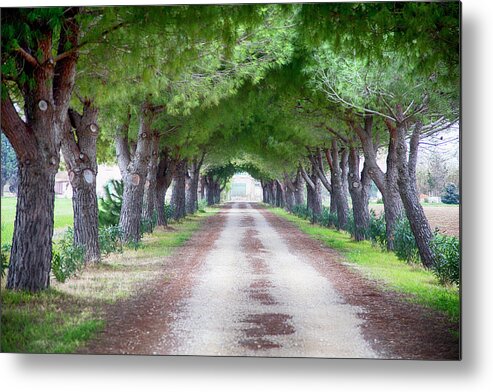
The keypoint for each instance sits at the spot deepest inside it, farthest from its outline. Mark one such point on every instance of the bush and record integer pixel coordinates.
(451, 194)
(148, 225)
(111, 204)
(446, 250)
(377, 230)
(110, 240)
(405, 246)
(202, 205)
(302, 211)
(169, 211)
(67, 258)
(327, 219)
(4, 258)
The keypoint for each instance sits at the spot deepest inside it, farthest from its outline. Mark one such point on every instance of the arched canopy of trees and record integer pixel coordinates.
(304, 97)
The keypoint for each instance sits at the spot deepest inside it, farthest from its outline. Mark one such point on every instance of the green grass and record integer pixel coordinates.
(63, 216)
(47, 322)
(417, 284)
(64, 317)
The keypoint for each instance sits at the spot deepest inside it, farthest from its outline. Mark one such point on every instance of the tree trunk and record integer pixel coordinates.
(290, 189)
(31, 253)
(338, 196)
(202, 188)
(134, 173)
(79, 152)
(299, 196)
(359, 190)
(385, 182)
(178, 197)
(408, 189)
(192, 199)
(313, 193)
(150, 189)
(165, 171)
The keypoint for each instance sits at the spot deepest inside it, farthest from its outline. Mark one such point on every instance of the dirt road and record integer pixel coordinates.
(251, 284)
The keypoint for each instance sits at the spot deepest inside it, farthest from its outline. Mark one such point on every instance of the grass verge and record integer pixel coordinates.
(62, 318)
(64, 216)
(418, 284)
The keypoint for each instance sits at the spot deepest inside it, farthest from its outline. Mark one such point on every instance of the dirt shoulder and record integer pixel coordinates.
(138, 325)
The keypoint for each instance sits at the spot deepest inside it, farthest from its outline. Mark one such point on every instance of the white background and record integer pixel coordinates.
(473, 373)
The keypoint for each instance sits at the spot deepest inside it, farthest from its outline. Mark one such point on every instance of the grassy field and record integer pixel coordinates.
(61, 319)
(418, 284)
(63, 216)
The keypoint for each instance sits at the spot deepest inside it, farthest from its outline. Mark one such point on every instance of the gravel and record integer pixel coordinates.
(252, 296)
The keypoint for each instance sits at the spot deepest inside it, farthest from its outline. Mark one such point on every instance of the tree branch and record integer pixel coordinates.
(19, 134)
(28, 57)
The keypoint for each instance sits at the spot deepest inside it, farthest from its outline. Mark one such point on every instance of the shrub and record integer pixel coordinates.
(451, 194)
(111, 204)
(302, 211)
(446, 250)
(202, 205)
(110, 240)
(169, 210)
(67, 258)
(327, 219)
(405, 246)
(148, 225)
(4, 258)
(377, 230)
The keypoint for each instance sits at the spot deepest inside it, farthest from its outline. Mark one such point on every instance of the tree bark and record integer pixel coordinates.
(338, 196)
(150, 189)
(134, 173)
(165, 172)
(408, 188)
(290, 188)
(385, 182)
(209, 189)
(280, 194)
(359, 190)
(79, 152)
(178, 197)
(313, 192)
(299, 196)
(30, 257)
(194, 172)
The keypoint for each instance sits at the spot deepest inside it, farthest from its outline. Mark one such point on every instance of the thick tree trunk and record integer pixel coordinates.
(150, 189)
(280, 194)
(165, 171)
(359, 190)
(79, 152)
(178, 197)
(202, 188)
(193, 188)
(408, 189)
(313, 192)
(264, 191)
(299, 195)
(290, 200)
(134, 173)
(30, 257)
(338, 196)
(385, 182)
(290, 189)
